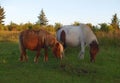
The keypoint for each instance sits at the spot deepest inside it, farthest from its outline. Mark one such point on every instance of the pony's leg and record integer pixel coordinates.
(81, 54)
(46, 55)
(37, 56)
(22, 55)
(25, 57)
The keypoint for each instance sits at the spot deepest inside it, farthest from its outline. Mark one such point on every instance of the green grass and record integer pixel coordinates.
(106, 69)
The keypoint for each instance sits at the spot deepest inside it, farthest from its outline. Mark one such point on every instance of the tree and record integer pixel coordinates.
(57, 26)
(115, 22)
(42, 18)
(50, 28)
(104, 27)
(94, 28)
(12, 27)
(2, 15)
(90, 25)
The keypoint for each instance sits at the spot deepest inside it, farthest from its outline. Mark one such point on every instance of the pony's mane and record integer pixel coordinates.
(41, 30)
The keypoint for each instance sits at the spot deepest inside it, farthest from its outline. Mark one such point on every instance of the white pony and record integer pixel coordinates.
(81, 35)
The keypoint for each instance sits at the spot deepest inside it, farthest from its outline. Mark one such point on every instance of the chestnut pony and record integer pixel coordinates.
(76, 36)
(35, 40)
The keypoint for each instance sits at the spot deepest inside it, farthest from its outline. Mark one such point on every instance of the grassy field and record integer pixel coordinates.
(106, 69)
(69, 70)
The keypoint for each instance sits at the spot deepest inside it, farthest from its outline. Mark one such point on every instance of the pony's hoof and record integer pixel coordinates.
(81, 57)
(45, 59)
(35, 60)
(21, 60)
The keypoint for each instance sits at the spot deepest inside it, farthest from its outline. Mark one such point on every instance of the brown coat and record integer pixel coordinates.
(36, 40)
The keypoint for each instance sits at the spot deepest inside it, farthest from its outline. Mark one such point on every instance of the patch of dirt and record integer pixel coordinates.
(68, 68)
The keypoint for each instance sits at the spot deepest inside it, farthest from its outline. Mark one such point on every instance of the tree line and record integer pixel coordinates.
(43, 23)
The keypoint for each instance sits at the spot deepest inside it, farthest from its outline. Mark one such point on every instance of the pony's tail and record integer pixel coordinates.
(63, 38)
(20, 42)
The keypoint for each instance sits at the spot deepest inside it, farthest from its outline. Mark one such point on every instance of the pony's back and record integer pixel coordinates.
(88, 34)
(81, 32)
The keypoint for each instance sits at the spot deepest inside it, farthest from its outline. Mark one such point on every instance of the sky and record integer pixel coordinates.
(65, 12)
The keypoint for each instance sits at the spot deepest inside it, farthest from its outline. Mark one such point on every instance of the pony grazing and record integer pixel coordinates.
(35, 40)
(81, 35)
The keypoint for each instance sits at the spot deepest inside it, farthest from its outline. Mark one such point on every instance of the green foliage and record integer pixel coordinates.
(111, 28)
(115, 22)
(57, 26)
(1, 27)
(27, 26)
(76, 23)
(12, 26)
(94, 28)
(2, 15)
(36, 26)
(42, 23)
(104, 27)
(90, 25)
(15, 27)
(50, 28)
(42, 18)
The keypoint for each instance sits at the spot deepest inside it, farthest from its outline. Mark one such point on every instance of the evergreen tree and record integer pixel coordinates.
(115, 22)
(42, 18)
(2, 15)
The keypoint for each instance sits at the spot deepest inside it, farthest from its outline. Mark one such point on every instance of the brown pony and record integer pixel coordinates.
(35, 40)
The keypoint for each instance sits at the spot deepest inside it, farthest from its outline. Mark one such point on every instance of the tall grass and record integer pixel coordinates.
(104, 38)
(9, 35)
(109, 38)
(12, 35)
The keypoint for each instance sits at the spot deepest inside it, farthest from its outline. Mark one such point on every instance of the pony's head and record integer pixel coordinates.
(94, 48)
(58, 50)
